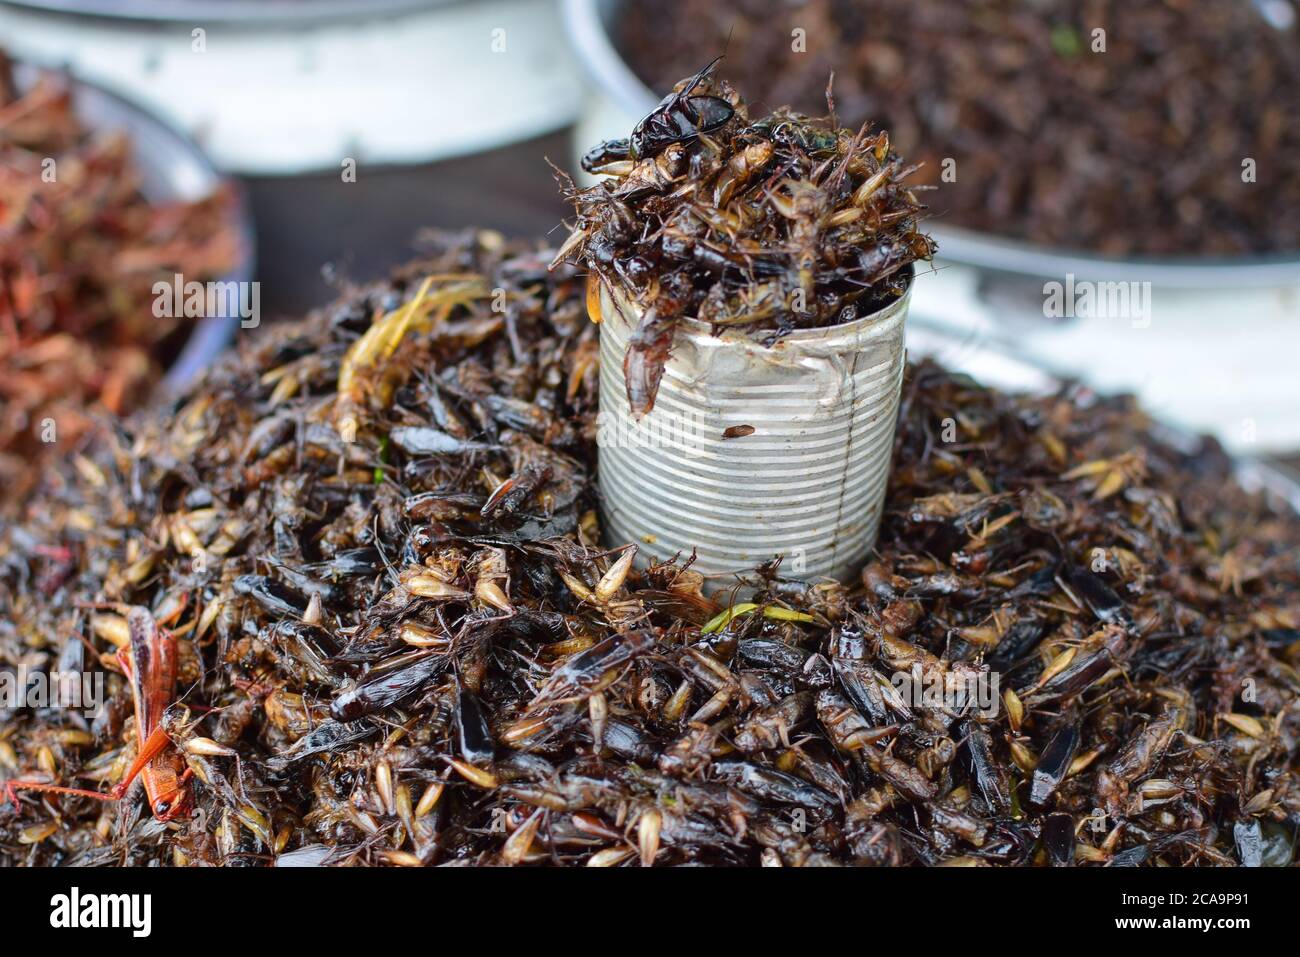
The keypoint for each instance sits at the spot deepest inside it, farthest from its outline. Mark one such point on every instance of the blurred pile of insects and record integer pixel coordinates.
(371, 540)
(1127, 127)
(766, 225)
(80, 251)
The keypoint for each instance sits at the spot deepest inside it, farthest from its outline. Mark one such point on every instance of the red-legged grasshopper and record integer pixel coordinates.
(149, 663)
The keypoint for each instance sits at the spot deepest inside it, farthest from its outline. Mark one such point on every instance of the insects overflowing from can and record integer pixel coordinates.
(766, 225)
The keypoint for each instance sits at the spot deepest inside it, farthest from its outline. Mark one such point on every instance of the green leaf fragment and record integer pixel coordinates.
(786, 614)
(744, 608)
(721, 621)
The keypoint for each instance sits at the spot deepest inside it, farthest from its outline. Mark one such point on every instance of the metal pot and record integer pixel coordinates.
(1211, 349)
(997, 369)
(284, 87)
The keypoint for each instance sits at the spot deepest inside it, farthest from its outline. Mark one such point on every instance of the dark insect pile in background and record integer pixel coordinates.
(1137, 150)
(373, 537)
(764, 225)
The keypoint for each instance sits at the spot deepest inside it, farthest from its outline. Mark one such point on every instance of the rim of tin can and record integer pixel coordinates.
(586, 22)
(803, 334)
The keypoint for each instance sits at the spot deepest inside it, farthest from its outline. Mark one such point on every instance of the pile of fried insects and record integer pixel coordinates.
(765, 225)
(368, 545)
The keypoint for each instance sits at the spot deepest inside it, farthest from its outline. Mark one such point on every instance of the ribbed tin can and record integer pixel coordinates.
(807, 483)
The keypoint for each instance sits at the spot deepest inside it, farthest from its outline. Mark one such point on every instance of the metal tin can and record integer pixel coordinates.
(807, 483)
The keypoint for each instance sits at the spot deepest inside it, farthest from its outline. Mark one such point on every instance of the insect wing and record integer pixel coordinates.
(151, 670)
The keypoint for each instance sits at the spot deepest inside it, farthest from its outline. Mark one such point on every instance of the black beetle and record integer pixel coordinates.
(678, 117)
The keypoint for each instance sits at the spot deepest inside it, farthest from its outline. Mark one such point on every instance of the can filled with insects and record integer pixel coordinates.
(753, 451)
(751, 277)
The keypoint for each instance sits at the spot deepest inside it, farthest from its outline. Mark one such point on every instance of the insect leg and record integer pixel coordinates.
(150, 749)
(12, 788)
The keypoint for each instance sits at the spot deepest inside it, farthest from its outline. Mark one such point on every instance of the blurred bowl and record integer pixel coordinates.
(287, 87)
(172, 168)
(996, 368)
(621, 98)
(205, 11)
(1212, 349)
